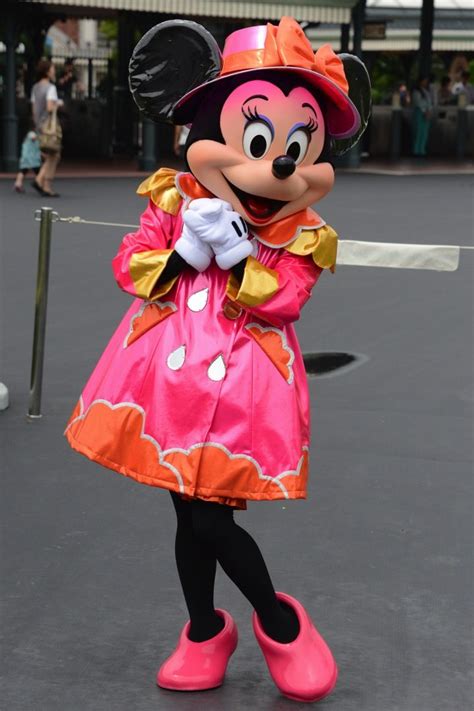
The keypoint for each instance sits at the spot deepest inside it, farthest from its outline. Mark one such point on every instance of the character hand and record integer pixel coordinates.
(219, 227)
(195, 252)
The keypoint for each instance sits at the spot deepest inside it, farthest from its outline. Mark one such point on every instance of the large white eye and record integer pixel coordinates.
(257, 139)
(297, 145)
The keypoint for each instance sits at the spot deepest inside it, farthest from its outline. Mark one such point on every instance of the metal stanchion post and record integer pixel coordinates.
(45, 216)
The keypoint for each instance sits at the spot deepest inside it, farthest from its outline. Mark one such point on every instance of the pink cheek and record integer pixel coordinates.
(203, 157)
(322, 178)
(195, 156)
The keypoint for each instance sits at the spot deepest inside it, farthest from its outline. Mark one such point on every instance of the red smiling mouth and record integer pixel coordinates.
(259, 208)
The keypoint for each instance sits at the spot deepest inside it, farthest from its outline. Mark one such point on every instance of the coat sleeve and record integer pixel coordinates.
(275, 295)
(143, 255)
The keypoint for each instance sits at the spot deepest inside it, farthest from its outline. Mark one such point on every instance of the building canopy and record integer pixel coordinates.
(416, 4)
(334, 11)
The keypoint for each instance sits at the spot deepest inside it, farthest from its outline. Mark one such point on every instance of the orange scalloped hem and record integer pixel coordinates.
(219, 496)
(114, 436)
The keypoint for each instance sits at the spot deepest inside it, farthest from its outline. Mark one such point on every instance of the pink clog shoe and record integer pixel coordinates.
(303, 670)
(196, 666)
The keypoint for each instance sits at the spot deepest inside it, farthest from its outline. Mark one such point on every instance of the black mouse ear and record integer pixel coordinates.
(360, 95)
(171, 59)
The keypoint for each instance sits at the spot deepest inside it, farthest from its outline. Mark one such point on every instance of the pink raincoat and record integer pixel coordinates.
(202, 390)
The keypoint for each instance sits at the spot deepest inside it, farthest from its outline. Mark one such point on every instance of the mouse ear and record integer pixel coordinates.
(171, 59)
(360, 95)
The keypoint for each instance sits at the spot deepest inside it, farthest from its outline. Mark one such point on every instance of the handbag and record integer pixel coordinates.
(51, 134)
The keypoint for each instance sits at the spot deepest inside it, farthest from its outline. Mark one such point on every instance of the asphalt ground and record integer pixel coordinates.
(380, 553)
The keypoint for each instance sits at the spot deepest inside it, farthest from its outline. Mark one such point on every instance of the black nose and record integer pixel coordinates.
(283, 167)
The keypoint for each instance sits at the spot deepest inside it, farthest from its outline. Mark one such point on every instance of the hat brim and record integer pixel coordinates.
(342, 117)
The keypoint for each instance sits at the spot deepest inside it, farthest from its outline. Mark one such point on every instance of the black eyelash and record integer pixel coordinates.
(311, 126)
(255, 116)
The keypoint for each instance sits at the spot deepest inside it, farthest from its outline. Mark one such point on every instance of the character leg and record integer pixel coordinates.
(209, 639)
(241, 559)
(299, 660)
(196, 563)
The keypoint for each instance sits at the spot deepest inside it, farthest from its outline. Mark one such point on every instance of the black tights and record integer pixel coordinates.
(207, 533)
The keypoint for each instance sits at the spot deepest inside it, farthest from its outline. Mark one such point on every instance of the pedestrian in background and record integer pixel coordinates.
(45, 102)
(464, 87)
(67, 84)
(404, 95)
(30, 158)
(422, 116)
(445, 95)
(67, 79)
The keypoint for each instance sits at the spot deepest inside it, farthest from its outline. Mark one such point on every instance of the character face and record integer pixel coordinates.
(265, 168)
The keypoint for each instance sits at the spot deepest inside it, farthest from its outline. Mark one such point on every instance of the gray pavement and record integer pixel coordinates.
(380, 552)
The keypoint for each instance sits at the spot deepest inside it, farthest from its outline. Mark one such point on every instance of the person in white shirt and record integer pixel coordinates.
(44, 99)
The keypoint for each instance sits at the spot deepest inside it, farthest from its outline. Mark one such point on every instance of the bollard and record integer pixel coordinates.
(4, 401)
(396, 130)
(147, 161)
(462, 131)
(45, 216)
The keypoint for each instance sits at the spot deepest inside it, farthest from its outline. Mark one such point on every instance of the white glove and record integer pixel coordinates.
(195, 252)
(220, 228)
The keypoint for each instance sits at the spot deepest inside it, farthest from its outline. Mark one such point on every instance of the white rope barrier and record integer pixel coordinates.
(79, 220)
(441, 258)
(352, 252)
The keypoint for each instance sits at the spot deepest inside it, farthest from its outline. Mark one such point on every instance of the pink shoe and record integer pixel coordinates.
(195, 666)
(303, 670)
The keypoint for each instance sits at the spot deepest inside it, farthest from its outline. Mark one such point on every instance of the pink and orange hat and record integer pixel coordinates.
(283, 48)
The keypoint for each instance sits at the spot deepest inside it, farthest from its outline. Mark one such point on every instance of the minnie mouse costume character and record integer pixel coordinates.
(202, 389)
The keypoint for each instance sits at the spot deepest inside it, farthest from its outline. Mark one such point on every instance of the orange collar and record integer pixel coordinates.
(277, 234)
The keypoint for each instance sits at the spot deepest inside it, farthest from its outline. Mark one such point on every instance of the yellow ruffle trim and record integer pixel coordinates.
(258, 285)
(145, 269)
(161, 189)
(321, 243)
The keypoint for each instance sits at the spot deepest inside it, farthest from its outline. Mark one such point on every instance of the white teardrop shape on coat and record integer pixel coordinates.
(176, 359)
(217, 369)
(198, 300)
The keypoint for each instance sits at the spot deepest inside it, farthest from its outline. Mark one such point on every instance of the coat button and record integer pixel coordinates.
(232, 310)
